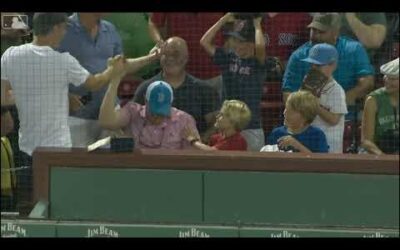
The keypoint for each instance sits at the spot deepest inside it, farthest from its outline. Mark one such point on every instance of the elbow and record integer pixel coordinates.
(107, 123)
(373, 43)
(203, 42)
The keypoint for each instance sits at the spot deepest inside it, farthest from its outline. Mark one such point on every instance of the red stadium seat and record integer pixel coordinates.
(271, 106)
(126, 90)
(351, 137)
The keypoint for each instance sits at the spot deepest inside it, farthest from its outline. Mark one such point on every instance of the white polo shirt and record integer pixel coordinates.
(333, 98)
(39, 77)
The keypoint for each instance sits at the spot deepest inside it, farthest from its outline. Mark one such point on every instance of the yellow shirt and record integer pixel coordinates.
(8, 179)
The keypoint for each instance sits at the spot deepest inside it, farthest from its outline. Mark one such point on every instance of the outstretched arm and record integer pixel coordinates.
(207, 41)
(259, 41)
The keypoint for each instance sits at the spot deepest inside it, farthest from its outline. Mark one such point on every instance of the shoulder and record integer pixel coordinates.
(180, 114)
(336, 88)
(349, 45)
(106, 25)
(313, 130)
(9, 52)
(301, 52)
(279, 130)
(199, 84)
(379, 91)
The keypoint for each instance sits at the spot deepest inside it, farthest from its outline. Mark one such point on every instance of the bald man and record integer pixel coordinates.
(191, 95)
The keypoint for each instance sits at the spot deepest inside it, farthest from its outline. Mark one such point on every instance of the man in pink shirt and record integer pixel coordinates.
(155, 125)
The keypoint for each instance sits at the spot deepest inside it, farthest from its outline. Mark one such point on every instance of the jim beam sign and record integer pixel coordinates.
(11, 230)
(101, 231)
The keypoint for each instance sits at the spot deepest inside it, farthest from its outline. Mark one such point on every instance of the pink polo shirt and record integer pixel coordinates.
(167, 135)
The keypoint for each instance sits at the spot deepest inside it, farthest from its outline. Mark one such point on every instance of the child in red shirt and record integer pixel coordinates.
(233, 117)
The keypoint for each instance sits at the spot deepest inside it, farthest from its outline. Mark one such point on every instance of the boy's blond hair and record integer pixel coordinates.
(237, 112)
(305, 103)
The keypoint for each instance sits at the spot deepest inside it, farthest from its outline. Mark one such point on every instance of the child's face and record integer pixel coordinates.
(293, 119)
(327, 70)
(222, 123)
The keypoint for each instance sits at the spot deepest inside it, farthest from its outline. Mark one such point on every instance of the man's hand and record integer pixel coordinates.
(288, 140)
(118, 66)
(228, 18)
(75, 103)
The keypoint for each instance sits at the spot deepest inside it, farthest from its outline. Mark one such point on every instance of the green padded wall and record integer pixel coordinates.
(125, 195)
(302, 198)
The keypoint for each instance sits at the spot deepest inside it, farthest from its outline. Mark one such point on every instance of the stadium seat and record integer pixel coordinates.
(351, 137)
(271, 106)
(126, 90)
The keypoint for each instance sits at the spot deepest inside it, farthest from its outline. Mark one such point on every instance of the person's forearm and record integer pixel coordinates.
(363, 87)
(108, 115)
(202, 146)
(259, 43)
(371, 147)
(208, 37)
(329, 117)
(371, 36)
(135, 64)
(97, 81)
(302, 148)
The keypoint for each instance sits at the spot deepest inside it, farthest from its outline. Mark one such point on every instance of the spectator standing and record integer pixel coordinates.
(332, 99)
(354, 71)
(243, 69)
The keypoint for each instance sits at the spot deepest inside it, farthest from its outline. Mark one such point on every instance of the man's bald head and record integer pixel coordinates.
(175, 56)
(178, 45)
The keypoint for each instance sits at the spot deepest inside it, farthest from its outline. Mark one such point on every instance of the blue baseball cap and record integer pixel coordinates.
(322, 54)
(159, 96)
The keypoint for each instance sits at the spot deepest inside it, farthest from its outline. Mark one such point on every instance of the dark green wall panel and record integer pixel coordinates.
(302, 198)
(126, 195)
(115, 230)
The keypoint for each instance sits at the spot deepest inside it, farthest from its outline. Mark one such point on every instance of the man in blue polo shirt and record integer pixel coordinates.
(354, 71)
(92, 40)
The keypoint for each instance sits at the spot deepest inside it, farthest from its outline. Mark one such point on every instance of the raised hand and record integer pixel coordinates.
(228, 17)
(288, 140)
(118, 66)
